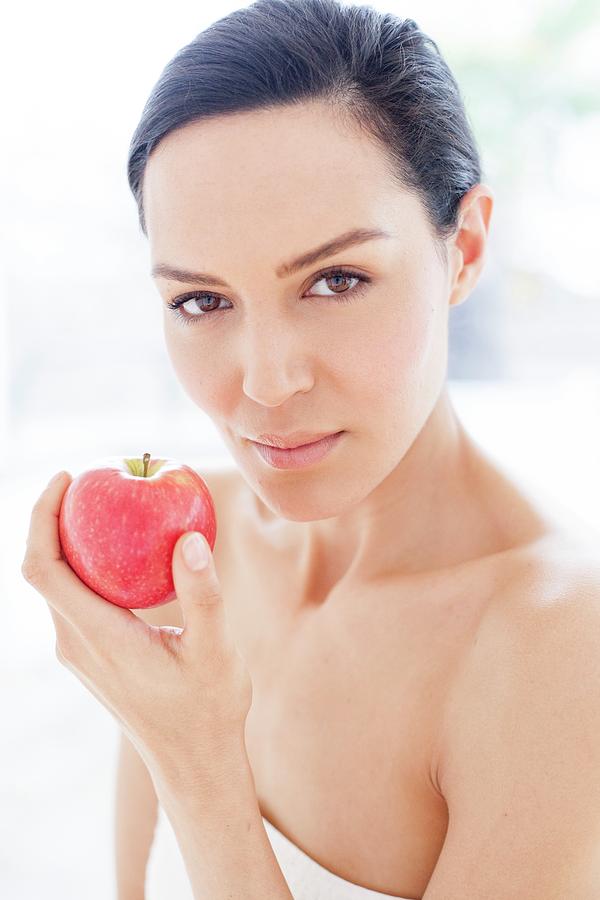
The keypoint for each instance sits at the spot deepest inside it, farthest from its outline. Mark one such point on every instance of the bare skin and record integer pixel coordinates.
(350, 683)
(266, 359)
(356, 585)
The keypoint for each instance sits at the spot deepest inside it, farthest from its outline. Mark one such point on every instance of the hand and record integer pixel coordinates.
(181, 695)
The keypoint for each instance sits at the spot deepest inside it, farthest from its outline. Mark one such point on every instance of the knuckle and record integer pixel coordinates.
(32, 570)
(60, 655)
(65, 653)
(211, 596)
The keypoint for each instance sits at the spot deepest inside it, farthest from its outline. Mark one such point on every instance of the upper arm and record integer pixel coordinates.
(521, 768)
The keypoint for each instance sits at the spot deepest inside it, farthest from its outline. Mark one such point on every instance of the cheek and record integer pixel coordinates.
(194, 363)
(379, 361)
(401, 370)
(396, 356)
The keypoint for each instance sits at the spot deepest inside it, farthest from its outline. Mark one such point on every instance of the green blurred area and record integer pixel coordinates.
(548, 80)
(533, 101)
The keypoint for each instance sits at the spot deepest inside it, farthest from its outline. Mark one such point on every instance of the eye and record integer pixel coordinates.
(212, 300)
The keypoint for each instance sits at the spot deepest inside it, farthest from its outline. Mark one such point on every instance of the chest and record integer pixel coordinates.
(347, 701)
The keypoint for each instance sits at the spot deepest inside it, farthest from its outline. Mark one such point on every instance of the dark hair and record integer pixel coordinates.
(379, 72)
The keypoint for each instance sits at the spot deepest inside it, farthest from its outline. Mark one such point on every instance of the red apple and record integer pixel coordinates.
(120, 519)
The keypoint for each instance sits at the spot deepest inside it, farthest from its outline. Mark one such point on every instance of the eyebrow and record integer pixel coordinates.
(285, 270)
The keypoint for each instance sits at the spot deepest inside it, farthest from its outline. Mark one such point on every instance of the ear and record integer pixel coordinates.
(467, 252)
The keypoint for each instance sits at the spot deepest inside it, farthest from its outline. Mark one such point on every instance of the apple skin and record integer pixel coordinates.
(118, 527)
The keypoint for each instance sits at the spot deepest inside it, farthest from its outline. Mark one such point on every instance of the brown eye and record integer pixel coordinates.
(206, 297)
(200, 298)
(206, 304)
(344, 276)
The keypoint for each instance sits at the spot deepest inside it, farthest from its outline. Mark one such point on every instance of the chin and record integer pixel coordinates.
(298, 501)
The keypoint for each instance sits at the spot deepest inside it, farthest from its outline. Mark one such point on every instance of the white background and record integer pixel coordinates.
(84, 373)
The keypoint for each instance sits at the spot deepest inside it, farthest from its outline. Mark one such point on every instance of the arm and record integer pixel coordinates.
(212, 805)
(136, 803)
(219, 829)
(521, 762)
(135, 820)
(218, 825)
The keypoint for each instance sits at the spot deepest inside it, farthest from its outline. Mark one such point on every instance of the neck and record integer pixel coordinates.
(443, 504)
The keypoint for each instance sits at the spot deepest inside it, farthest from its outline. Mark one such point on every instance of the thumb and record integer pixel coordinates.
(197, 588)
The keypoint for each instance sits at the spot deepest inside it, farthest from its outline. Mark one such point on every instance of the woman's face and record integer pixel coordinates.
(269, 350)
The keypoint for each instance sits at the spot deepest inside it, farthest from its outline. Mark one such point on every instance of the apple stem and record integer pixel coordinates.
(146, 461)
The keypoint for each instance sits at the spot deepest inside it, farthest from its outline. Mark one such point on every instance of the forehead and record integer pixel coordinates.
(293, 173)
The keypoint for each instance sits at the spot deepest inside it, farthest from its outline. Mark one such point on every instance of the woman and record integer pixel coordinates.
(399, 601)
(421, 635)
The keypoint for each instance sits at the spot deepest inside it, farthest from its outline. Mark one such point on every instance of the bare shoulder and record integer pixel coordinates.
(223, 483)
(228, 490)
(231, 495)
(520, 754)
(556, 586)
(545, 615)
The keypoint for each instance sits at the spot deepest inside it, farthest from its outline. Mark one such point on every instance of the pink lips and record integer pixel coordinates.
(298, 457)
(291, 441)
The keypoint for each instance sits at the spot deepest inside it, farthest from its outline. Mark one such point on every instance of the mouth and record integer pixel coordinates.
(291, 441)
(299, 456)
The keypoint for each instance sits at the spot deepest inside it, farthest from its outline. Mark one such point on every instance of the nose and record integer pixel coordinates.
(275, 362)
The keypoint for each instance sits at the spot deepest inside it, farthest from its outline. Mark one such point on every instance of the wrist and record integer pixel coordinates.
(131, 889)
(211, 779)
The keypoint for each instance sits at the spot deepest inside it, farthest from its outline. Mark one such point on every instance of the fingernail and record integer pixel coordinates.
(55, 478)
(195, 552)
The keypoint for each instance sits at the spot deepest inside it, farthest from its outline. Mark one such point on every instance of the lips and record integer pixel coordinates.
(301, 456)
(291, 441)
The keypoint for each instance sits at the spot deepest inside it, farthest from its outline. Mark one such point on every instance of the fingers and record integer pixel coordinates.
(43, 541)
(200, 597)
(50, 574)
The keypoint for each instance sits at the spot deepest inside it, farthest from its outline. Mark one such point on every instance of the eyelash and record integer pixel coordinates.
(187, 318)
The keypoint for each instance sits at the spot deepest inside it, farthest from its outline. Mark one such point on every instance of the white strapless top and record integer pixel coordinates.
(166, 876)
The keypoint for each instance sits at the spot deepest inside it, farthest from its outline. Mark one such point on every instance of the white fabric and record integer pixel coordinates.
(166, 876)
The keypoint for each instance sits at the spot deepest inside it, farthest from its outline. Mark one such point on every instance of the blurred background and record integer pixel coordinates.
(84, 372)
